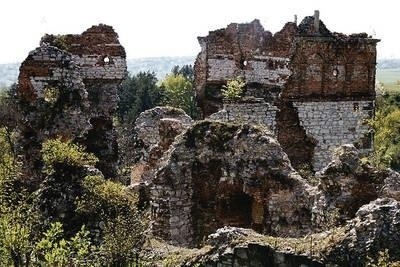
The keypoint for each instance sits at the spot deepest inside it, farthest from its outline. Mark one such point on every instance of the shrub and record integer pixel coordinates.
(65, 152)
(105, 197)
(15, 241)
(54, 250)
(123, 238)
(123, 225)
(233, 89)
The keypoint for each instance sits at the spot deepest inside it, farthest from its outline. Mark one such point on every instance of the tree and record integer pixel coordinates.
(387, 127)
(179, 93)
(138, 93)
(186, 70)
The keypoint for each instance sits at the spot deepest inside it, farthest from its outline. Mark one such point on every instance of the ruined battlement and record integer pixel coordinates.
(317, 87)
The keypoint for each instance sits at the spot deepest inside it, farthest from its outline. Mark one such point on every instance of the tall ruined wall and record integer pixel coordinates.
(317, 86)
(67, 88)
(242, 50)
(332, 67)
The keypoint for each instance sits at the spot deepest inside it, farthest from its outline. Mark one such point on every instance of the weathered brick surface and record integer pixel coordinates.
(300, 68)
(67, 88)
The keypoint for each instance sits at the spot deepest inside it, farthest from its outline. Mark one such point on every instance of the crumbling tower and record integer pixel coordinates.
(312, 87)
(67, 88)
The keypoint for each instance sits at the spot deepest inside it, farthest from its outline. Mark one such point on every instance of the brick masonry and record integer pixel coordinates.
(67, 88)
(324, 80)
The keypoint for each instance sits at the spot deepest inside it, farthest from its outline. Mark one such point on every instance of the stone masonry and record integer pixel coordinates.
(217, 174)
(312, 87)
(67, 88)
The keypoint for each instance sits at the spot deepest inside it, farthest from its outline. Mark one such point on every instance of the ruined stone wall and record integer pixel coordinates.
(147, 127)
(219, 174)
(257, 111)
(67, 88)
(155, 129)
(333, 124)
(244, 50)
(332, 67)
(301, 69)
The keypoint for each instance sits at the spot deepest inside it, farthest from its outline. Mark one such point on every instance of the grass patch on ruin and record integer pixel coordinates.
(169, 255)
(314, 245)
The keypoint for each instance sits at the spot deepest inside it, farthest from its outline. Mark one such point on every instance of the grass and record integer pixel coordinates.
(168, 255)
(314, 246)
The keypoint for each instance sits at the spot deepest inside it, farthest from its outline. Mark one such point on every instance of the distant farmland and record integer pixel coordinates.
(390, 78)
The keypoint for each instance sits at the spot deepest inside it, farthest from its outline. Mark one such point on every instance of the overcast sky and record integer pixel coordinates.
(151, 28)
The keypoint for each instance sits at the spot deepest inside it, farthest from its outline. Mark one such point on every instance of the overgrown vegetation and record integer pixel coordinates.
(104, 226)
(386, 125)
(233, 89)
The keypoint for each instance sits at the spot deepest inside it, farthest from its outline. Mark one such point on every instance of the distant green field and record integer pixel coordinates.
(390, 78)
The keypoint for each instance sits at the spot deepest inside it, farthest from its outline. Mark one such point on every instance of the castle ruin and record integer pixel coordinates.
(67, 88)
(313, 88)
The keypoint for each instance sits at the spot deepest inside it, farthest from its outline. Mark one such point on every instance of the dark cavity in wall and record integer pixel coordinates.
(292, 136)
(217, 203)
(103, 148)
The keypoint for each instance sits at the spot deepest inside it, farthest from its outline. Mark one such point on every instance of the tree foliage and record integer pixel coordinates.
(186, 70)
(179, 93)
(138, 93)
(386, 125)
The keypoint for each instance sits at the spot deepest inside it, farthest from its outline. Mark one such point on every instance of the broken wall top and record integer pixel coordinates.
(67, 87)
(99, 40)
(95, 56)
(304, 62)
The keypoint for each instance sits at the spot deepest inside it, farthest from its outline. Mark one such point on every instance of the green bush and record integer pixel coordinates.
(54, 250)
(105, 197)
(123, 238)
(233, 89)
(123, 225)
(386, 125)
(15, 241)
(58, 151)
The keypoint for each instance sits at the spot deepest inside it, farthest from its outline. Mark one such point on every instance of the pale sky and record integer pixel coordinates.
(152, 28)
